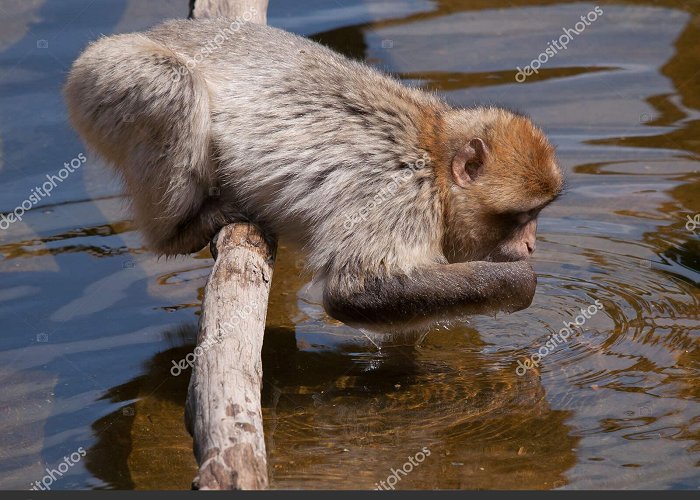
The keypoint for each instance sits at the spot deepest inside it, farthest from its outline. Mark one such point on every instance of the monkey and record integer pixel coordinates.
(404, 205)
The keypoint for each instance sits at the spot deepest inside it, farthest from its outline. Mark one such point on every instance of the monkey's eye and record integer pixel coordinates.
(525, 217)
(522, 217)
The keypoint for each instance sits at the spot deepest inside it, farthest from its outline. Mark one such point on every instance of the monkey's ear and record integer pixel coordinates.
(468, 163)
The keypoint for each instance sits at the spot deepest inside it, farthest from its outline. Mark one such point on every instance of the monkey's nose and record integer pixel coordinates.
(530, 246)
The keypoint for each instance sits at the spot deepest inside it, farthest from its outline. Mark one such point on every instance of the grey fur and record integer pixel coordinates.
(300, 136)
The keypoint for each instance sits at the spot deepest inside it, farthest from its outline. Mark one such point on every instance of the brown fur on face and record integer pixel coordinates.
(521, 170)
(487, 218)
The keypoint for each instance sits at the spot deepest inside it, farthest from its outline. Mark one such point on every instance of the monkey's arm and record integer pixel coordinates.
(464, 288)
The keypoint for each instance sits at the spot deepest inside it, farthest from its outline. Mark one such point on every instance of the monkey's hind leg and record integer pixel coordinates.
(136, 103)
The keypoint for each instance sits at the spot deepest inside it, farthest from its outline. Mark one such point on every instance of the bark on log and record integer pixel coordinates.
(223, 411)
(233, 9)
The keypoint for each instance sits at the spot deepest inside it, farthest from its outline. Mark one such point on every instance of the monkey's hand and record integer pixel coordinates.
(454, 289)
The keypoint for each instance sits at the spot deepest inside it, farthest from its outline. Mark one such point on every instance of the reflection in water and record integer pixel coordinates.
(85, 362)
(144, 444)
(326, 411)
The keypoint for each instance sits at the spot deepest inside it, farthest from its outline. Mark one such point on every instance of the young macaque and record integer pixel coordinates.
(406, 207)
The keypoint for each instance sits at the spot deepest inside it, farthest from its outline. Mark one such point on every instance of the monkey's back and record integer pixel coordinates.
(305, 137)
(230, 118)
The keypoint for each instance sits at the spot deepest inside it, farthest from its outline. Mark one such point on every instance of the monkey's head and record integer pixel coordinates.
(501, 171)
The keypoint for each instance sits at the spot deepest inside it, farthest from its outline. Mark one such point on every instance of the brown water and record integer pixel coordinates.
(91, 322)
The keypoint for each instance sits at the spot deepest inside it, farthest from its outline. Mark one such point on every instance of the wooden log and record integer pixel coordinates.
(223, 411)
(200, 9)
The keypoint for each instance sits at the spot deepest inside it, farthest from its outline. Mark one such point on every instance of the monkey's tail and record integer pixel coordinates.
(137, 104)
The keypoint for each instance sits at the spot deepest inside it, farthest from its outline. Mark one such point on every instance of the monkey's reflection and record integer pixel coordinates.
(343, 418)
